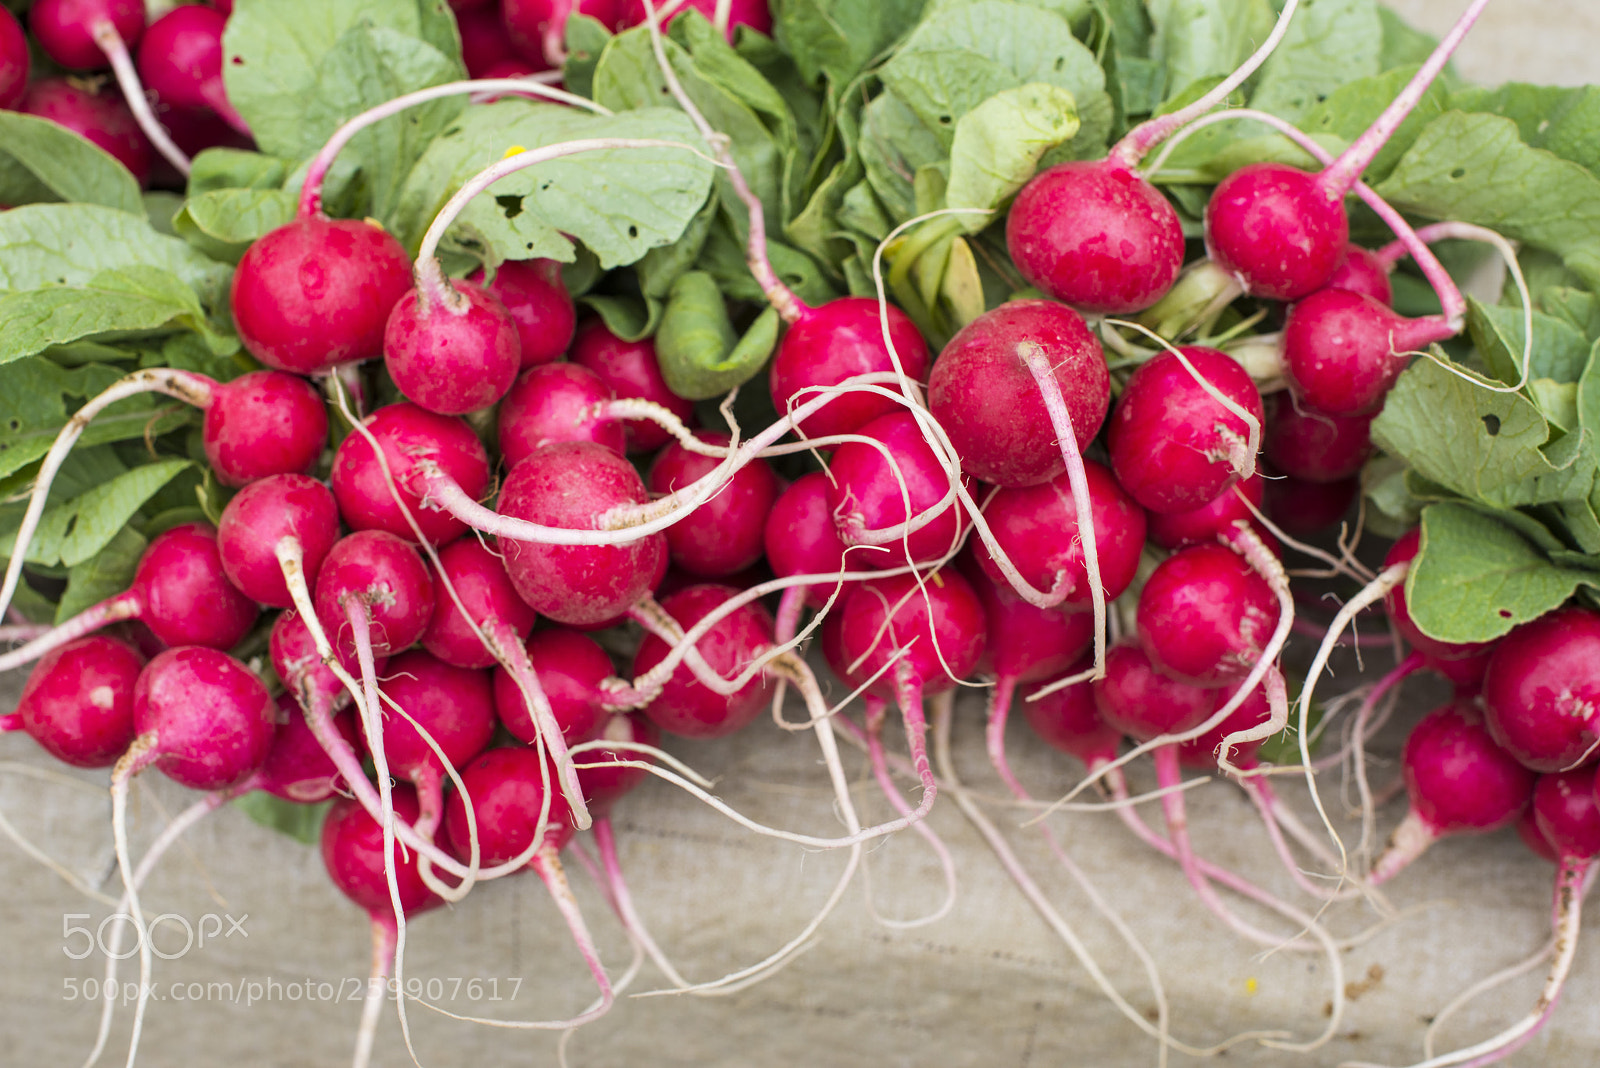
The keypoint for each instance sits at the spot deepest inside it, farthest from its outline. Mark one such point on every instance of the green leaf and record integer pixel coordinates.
(630, 318)
(1475, 579)
(962, 56)
(1198, 39)
(586, 39)
(1329, 44)
(1483, 445)
(76, 530)
(837, 38)
(1474, 168)
(37, 397)
(700, 354)
(43, 160)
(895, 144)
(724, 259)
(620, 203)
(69, 244)
(113, 305)
(998, 145)
(1404, 45)
(224, 222)
(1560, 352)
(303, 823)
(1562, 120)
(106, 575)
(234, 168)
(1349, 109)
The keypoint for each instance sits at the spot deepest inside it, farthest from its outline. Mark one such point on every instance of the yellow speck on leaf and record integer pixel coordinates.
(512, 151)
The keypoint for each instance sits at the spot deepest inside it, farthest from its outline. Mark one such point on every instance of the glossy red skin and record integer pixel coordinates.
(686, 707)
(1169, 438)
(1276, 230)
(212, 718)
(556, 402)
(1362, 272)
(1204, 616)
(800, 537)
(262, 514)
(604, 785)
(578, 584)
(507, 792)
(537, 300)
(1095, 235)
(317, 292)
(452, 356)
(1565, 811)
(1201, 753)
(64, 29)
(180, 59)
(1174, 530)
(1310, 445)
(264, 423)
(1141, 702)
(864, 494)
(388, 577)
(187, 598)
(1542, 689)
(1299, 507)
(483, 39)
(1025, 643)
(836, 341)
(1434, 652)
(78, 701)
(1459, 781)
(455, 705)
(1527, 826)
(102, 117)
(1342, 350)
(480, 581)
(882, 615)
(987, 401)
(570, 667)
(724, 535)
(14, 60)
(297, 768)
(1038, 528)
(352, 851)
(751, 13)
(1068, 720)
(631, 369)
(296, 660)
(408, 435)
(527, 22)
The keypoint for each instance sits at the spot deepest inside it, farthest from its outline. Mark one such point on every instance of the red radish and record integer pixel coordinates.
(1342, 351)
(377, 577)
(180, 61)
(352, 850)
(1024, 643)
(839, 340)
(1037, 528)
(256, 521)
(201, 717)
(295, 659)
(1454, 660)
(1542, 689)
(98, 115)
(986, 398)
(1068, 719)
(506, 797)
(686, 706)
(1201, 752)
(537, 28)
(1174, 530)
(484, 44)
(479, 579)
(409, 437)
(1205, 616)
(78, 702)
(1528, 830)
(1313, 446)
(316, 293)
(631, 370)
(1364, 271)
(1459, 782)
(68, 30)
(14, 60)
(453, 706)
(452, 348)
(1300, 508)
(1137, 700)
(572, 671)
(556, 402)
(263, 423)
(800, 538)
(725, 17)
(725, 535)
(868, 494)
(569, 485)
(462, 6)
(297, 768)
(606, 781)
(1174, 444)
(536, 298)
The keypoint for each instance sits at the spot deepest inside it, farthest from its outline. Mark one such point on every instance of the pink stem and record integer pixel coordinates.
(605, 840)
(880, 772)
(908, 691)
(512, 653)
(125, 605)
(1258, 797)
(429, 782)
(385, 935)
(1397, 250)
(1308, 629)
(790, 604)
(116, 50)
(11, 721)
(995, 734)
(548, 867)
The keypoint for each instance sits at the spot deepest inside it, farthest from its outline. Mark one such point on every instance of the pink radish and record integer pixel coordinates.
(1542, 689)
(409, 437)
(259, 518)
(297, 768)
(452, 348)
(180, 61)
(1366, 272)
(98, 115)
(685, 706)
(484, 590)
(557, 402)
(1205, 616)
(536, 298)
(78, 701)
(263, 423)
(631, 370)
(374, 577)
(572, 672)
(725, 535)
(865, 492)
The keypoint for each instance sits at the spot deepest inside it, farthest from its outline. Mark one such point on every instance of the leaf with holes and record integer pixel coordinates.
(37, 397)
(75, 530)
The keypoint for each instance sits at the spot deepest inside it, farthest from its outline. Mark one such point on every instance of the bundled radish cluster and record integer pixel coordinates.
(1010, 508)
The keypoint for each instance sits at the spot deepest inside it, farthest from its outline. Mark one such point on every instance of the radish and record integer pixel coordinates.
(1241, 502)
(263, 423)
(574, 674)
(684, 705)
(256, 522)
(896, 499)
(297, 768)
(1068, 718)
(1343, 350)
(78, 701)
(536, 298)
(725, 535)
(378, 496)
(800, 538)
(1300, 508)
(1313, 446)
(1366, 272)
(1205, 616)
(179, 590)
(487, 601)
(725, 15)
(484, 45)
(1459, 782)
(180, 61)
(631, 370)
(98, 115)
(452, 348)
(1542, 689)
(14, 60)
(1462, 663)
(1134, 698)
(374, 587)
(557, 402)
(537, 28)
